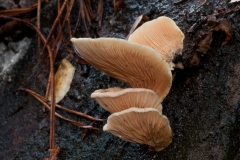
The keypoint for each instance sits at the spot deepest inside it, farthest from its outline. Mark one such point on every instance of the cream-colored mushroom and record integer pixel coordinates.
(137, 65)
(117, 99)
(63, 79)
(162, 34)
(141, 125)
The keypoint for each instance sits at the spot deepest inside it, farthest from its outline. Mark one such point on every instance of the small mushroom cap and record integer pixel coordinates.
(162, 34)
(141, 125)
(117, 99)
(137, 65)
(63, 79)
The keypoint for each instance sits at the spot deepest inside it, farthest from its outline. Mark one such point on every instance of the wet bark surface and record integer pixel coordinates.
(202, 106)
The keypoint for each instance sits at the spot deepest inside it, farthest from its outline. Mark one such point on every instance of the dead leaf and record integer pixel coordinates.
(222, 25)
(63, 79)
(227, 28)
(204, 44)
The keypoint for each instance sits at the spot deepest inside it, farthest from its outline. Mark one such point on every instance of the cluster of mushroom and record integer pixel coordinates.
(144, 61)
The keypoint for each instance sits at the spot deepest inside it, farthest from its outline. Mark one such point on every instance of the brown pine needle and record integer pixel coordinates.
(80, 114)
(29, 25)
(78, 20)
(38, 21)
(83, 17)
(58, 45)
(89, 8)
(137, 21)
(41, 99)
(54, 25)
(86, 13)
(100, 12)
(69, 28)
(61, 107)
(12, 12)
(59, 38)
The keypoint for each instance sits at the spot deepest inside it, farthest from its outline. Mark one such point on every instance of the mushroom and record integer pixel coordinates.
(141, 125)
(162, 34)
(137, 65)
(117, 99)
(63, 79)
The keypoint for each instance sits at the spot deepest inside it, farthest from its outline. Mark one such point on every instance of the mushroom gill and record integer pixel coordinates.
(118, 99)
(162, 34)
(137, 65)
(141, 125)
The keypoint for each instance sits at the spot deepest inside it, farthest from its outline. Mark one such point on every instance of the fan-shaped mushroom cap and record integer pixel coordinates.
(117, 99)
(63, 78)
(138, 65)
(162, 34)
(141, 125)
